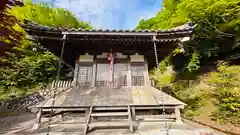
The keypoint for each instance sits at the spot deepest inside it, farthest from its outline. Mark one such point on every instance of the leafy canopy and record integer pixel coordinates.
(217, 34)
(217, 31)
(27, 64)
(46, 15)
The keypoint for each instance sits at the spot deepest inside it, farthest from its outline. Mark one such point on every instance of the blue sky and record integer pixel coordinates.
(112, 14)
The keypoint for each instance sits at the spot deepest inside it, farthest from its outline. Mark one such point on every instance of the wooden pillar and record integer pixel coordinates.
(133, 113)
(147, 81)
(75, 78)
(62, 115)
(86, 114)
(129, 78)
(94, 73)
(178, 115)
(130, 119)
(38, 118)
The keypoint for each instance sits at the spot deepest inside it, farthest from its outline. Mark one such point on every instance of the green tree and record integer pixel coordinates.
(216, 35)
(9, 36)
(44, 14)
(28, 64)
(217, 31)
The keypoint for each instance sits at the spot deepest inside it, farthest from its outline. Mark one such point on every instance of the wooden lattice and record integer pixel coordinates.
(85, 74)
(137, 74)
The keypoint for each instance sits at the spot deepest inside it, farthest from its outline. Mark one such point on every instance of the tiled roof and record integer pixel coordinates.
(188, 27)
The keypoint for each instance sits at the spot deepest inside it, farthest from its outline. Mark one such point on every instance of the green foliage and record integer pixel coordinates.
(194, 63)
(9, 36)
(165, 63)
(163, 78)
(217, 31)
(28, 70)
(228, 101)
(226, 77)
(23, 67)
(46, 15)
(194, 99)
(227, 92)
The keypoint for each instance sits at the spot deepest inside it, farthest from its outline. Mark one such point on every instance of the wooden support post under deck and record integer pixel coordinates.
(38, 118)
(130, 119)
(178, 115)
(88, 120)
(133, 113)
(86, 113)
(62, 115)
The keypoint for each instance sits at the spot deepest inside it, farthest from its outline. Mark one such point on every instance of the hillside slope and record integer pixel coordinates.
(213, 98)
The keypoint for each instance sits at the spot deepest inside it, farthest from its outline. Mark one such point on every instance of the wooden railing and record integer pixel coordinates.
(61, 84)
(57, 86)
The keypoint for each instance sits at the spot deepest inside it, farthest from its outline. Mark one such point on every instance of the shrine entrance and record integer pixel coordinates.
(118, 77)
(112, 72)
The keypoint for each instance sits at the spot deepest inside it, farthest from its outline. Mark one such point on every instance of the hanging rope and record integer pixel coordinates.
(157, 64)
(55, 87)
(155, 51)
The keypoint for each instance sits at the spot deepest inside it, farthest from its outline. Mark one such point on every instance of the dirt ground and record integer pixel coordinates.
(19, 124)
(22, 124)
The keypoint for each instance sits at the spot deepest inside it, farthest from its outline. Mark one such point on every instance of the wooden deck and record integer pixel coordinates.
(129, 99)
(103, 96)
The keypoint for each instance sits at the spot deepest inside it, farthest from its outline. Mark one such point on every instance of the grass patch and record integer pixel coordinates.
(214, 95)
(6, 114)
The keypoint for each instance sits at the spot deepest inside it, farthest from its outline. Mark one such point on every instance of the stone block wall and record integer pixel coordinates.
(23, 103)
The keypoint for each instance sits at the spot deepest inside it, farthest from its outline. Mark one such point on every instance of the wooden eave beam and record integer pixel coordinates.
(165, 40)
(127, 33)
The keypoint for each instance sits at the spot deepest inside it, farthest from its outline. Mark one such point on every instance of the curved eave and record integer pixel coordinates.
(33, 28)
(130, 33)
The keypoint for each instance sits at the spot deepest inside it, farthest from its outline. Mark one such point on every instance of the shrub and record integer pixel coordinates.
(163, 78)
(228, 102)
(227, 92)
(194, 99)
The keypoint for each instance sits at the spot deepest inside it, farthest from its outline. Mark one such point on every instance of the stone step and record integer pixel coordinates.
(124, 123)
(109, 114)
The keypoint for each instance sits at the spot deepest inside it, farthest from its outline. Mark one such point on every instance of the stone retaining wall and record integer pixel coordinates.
(23, 103)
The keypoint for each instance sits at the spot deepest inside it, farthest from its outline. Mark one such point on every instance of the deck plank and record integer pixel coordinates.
(136, 96)
(142, 96)
(107, 96)
(99, 97)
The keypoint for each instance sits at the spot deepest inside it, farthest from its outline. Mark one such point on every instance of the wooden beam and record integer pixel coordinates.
(130, 119)
(178, 115)
(111, 106)
(97, 33)
(133, 113)
(94, 73)
(38, 118)
(88, 118)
